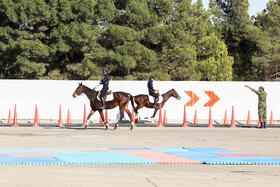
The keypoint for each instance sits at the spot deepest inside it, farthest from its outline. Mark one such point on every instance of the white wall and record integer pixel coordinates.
(49, 94)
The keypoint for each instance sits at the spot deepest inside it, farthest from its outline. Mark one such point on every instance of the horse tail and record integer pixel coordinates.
(132, 102)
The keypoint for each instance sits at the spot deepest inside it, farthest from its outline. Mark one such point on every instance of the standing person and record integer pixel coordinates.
(152, 90)
(105, 88)
(261, 104)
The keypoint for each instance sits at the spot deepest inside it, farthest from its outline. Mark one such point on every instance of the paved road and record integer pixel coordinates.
(251, 140)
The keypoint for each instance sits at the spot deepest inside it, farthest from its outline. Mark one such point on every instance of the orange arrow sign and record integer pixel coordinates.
(193, 97)
(213, 98)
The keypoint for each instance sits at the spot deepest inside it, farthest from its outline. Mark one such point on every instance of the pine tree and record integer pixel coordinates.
(62, 39)
(268, 58)
(236, 26)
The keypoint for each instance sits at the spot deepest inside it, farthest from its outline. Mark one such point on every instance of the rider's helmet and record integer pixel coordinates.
(105, 69)
(261, 87)
(152, 77)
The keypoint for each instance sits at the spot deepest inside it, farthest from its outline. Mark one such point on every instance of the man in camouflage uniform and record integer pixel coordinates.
(261, 105)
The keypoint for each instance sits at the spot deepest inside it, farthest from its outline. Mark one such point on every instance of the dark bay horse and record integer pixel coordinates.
(121, 99)
(143, 101)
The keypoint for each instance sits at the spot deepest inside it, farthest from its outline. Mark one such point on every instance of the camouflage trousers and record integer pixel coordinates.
(262, 113)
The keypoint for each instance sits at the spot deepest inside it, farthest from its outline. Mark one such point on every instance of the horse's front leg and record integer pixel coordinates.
(89, 115)
(103, 119)
(152, 118)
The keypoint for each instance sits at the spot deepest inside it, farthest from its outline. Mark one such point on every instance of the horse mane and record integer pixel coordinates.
(90, 90)
(167, 92)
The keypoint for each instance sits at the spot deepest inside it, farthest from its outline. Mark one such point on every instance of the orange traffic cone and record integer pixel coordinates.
(9, 117)
(164, 117)
(106, 117)
(225, 119)
(132, 117)
(271, 118)
(36, 117)
(185, 123)
(232, 118)
(210, 124)
(15, 123)
(249, 118)
(160, 117)
(195, 121)
(100, 120)
(60, 123)
(85, 116)
(68, 117)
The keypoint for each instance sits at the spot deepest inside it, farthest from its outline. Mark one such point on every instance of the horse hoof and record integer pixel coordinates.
(86, 126)
(131, 127)
(106, 128)
(115, 127)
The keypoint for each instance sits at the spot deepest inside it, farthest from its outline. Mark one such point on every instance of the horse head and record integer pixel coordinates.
(79, 90)
(175, 94)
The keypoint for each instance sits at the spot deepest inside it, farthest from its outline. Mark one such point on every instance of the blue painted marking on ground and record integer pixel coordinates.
(214, 150)
(33, 160)
(65, 156)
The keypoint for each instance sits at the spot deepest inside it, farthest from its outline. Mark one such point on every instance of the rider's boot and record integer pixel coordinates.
(103, 104)
(155, 103)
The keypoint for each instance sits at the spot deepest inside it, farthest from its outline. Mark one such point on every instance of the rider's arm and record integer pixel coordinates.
(155, 89)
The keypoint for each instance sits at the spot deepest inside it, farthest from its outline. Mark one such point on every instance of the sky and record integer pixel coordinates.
(255, 6)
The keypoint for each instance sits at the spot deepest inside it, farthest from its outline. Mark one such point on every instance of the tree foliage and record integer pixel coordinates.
(170, 39)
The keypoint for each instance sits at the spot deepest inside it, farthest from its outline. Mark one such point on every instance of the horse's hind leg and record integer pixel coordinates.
(89, 115)
(130, 116)
(137, 108)
(103, 119)
(121, 107)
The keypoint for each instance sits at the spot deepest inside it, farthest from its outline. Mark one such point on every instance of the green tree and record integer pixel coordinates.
(70, 39)
(268, 58)
(41, 38)
(235, 33)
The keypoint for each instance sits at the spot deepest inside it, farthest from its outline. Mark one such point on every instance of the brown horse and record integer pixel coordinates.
(143, 101)
(121, 99)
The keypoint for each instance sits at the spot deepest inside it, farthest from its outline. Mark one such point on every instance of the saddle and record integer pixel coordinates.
(106, 94)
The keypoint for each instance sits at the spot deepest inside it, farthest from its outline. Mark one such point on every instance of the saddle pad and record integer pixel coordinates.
(109, 97)
(152, 99)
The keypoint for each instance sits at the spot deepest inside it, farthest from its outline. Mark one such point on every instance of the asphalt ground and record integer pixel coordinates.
(265, 142)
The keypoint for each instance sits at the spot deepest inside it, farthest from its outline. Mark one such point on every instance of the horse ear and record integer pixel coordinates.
(80, 83)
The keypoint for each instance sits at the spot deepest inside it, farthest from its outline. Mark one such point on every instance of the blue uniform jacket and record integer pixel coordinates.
(150, 85)
(105, 81)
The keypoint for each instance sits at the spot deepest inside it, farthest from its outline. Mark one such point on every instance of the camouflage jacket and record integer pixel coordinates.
(262, 97)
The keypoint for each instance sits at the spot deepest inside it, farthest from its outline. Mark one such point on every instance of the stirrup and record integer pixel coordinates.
(102, 108)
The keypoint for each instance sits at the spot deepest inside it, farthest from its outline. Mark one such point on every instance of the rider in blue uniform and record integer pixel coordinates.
(152, 90)
(105, 88)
